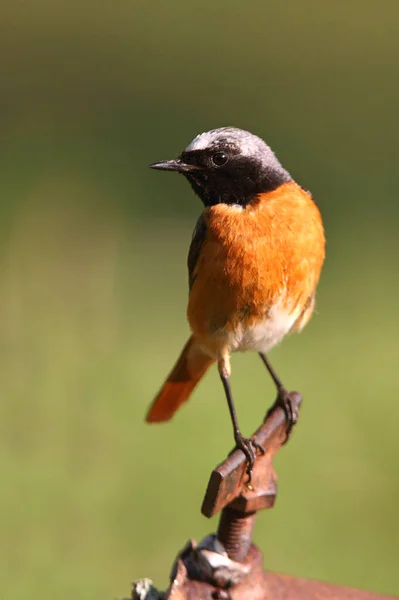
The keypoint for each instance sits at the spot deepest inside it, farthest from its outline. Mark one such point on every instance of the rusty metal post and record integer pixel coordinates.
(227, 566)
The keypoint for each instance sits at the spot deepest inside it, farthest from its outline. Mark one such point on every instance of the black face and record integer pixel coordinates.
(224, 173)
(226, 176)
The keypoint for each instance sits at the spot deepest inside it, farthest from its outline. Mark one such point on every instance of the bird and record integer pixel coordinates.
(254, 263)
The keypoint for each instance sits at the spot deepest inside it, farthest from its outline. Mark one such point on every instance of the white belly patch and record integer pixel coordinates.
(264, 334)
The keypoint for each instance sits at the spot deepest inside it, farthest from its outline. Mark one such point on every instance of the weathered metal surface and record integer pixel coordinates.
(262, 585)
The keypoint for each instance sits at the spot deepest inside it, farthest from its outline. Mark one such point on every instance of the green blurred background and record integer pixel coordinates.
(93, 286)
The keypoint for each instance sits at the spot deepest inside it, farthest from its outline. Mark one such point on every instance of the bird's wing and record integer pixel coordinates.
(199, 235)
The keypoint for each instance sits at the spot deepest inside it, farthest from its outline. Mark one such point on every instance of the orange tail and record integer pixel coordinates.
(190, 367)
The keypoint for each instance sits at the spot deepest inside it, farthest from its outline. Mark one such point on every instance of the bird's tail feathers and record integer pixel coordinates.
(191, 365)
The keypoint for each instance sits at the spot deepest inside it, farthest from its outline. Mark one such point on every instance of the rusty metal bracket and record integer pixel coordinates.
(227, 566)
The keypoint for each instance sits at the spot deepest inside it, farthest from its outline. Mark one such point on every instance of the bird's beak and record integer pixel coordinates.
(175, 164)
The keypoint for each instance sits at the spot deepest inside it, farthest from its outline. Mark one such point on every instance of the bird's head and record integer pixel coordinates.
(228, 165)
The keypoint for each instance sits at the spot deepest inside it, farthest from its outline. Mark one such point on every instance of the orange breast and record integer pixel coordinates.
(269, 252)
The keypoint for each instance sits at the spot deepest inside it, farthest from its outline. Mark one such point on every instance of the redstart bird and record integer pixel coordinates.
(254, 264)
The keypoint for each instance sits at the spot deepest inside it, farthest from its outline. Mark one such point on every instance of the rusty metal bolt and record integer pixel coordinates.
(235, 532)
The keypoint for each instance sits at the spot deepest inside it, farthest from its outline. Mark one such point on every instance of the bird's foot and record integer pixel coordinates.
(249, 447)
(285, 401)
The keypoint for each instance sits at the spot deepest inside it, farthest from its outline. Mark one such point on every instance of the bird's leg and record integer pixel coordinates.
(248, 446)
(283, 397)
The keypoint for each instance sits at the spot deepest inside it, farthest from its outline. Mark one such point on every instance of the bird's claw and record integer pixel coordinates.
(285, 401)
(249, 447)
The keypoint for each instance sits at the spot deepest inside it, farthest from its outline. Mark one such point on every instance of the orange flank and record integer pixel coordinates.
(254, 258)
(190, 367)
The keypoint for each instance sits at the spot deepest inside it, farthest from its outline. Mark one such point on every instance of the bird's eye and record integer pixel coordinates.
(219, 159)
